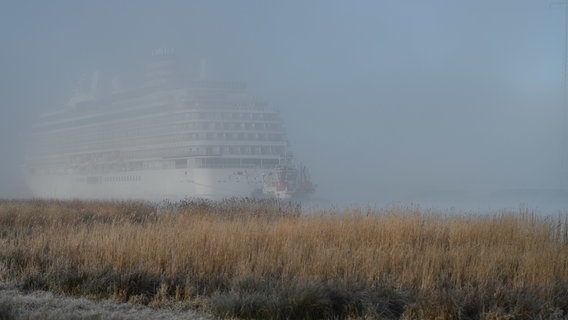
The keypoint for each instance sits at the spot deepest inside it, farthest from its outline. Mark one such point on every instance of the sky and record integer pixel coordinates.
(390, 101)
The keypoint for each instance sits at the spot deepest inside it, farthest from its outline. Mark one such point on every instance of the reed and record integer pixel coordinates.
(265, 259)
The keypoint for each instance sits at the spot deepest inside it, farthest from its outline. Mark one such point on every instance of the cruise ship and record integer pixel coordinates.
(168, 137)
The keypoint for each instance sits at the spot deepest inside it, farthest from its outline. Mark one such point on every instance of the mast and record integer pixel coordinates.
(564, 151)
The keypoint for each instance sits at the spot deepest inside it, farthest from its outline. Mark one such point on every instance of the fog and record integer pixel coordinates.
(435, 103)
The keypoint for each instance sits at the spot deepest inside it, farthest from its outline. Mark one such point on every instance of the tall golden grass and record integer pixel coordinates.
(498, 265)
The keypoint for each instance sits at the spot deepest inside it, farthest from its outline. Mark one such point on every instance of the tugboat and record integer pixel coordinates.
(289, 180)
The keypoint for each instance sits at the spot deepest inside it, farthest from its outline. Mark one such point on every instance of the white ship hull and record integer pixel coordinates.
(173, 184)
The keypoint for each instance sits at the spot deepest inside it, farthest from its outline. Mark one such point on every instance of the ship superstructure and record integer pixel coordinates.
(167, 138)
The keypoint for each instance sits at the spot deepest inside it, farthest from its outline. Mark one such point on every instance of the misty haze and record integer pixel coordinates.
(435, 103)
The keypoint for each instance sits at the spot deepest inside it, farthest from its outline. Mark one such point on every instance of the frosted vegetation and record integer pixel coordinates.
(247, 258)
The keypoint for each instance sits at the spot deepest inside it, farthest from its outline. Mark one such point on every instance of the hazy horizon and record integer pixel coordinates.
(427, 102)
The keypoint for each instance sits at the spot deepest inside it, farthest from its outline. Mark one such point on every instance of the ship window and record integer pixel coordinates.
(269, 163)
(231, 163)
(251, 163)
(209, 163)
(93, 180)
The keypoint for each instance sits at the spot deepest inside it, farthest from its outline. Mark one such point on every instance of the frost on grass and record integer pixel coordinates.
(15, 304)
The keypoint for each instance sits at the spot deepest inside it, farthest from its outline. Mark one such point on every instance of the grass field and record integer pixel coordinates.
(245, 258)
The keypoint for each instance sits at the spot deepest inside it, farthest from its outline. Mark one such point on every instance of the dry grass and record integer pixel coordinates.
(242, 257)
